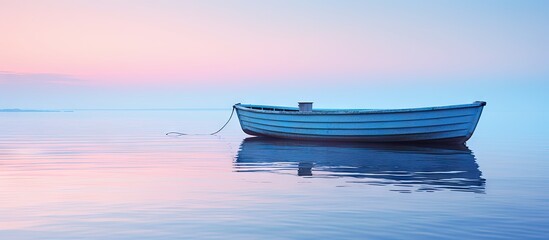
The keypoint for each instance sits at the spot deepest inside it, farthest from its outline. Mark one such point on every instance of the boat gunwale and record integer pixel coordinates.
(295, 111)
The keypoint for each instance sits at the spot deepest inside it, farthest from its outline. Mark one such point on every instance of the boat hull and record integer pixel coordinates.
(449, 124)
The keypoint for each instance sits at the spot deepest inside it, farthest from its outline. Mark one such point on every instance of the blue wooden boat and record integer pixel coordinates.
(447, 124)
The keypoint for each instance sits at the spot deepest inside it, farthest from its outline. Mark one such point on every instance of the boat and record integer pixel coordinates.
(446, 124)
(399, 167)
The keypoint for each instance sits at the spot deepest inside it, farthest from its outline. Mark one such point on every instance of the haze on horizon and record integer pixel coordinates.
(181, 54)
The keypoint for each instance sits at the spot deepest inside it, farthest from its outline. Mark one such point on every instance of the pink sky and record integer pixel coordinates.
(130, 42)
(171, 53)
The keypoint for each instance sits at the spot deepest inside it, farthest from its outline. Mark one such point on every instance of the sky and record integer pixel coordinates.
(63, 54)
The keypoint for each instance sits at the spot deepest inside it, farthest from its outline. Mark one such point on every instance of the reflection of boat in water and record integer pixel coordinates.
(426, 168)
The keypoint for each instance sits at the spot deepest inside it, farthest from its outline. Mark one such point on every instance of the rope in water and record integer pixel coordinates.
(224, 125)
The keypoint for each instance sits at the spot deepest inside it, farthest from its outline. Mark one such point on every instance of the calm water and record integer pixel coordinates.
(115, 175)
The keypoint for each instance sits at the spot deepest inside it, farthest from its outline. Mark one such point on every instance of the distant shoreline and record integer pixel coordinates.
(16, 110)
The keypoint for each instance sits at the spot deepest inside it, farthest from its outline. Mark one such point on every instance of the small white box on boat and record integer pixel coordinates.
(305, 106)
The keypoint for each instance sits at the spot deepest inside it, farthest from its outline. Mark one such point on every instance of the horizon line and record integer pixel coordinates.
(106, 109)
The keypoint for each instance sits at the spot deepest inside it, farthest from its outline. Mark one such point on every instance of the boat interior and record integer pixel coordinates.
(271, 108)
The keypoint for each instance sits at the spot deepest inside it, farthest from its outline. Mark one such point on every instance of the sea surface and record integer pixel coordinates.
(116, 175)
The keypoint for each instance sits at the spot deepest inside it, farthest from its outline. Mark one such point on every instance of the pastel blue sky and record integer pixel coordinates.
(182, 54)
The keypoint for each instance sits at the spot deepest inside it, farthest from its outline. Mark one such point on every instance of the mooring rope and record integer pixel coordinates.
(224, 125)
